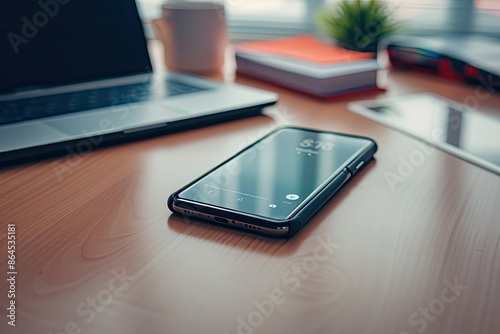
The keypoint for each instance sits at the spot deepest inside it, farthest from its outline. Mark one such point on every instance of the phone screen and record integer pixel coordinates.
(278, 174)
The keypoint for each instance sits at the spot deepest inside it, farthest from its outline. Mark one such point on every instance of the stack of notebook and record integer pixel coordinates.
(304, 64)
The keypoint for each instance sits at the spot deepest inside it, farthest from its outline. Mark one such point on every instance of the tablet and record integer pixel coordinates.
(448, 125)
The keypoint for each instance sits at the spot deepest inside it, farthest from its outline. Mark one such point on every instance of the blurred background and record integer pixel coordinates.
(264, 19)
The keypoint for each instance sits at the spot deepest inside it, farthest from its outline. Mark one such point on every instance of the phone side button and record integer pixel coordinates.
(355, 166)
(348, 176)
(361, 163)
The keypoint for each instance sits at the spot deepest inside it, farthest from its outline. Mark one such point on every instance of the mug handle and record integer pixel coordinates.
(162, 32)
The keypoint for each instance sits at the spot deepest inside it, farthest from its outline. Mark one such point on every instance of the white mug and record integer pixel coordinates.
(194, 36)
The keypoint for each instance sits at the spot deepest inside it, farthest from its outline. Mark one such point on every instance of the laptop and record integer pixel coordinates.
(77, 74)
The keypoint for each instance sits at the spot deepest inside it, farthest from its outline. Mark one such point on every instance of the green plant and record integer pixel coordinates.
(358, 24)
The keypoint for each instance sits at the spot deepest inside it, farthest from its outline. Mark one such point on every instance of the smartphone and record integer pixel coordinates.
(274, 186)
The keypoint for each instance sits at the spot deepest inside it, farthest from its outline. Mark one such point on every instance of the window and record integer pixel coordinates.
(255, 19)
(487, 16)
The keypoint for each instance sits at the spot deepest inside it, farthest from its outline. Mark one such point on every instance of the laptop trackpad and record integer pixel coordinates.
(20, 136)
(112, 120)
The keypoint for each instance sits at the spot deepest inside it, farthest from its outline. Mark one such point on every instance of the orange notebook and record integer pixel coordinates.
(305, 48)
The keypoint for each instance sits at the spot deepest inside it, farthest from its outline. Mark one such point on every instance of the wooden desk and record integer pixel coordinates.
(97, 250)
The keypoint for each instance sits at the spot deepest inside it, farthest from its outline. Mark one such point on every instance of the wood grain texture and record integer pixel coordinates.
(373, 260)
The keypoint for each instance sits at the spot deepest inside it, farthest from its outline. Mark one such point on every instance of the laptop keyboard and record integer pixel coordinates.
(14, 111)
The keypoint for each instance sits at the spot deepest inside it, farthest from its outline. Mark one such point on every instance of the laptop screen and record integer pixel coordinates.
(53, 42)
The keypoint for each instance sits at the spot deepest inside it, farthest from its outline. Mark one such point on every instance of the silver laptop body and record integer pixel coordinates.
(38, 119)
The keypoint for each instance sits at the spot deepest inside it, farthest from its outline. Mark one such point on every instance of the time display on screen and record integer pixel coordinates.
(312, 147)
